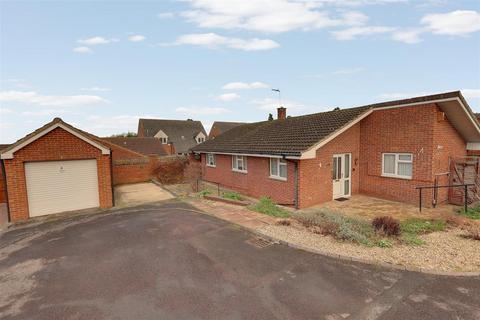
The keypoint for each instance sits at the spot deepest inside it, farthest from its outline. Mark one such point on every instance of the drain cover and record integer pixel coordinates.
(259, 242)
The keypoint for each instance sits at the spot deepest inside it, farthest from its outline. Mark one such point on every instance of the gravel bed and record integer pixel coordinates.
(443, 251)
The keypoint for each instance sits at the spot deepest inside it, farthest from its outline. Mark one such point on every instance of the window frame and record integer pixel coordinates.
(208, 160)
(164, 140)
(280, 162)
(235, 159)
(200, 140)
(397, 161)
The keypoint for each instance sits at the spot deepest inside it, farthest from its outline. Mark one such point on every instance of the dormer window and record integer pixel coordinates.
(164, 140)
(162, 136)
(199, 138)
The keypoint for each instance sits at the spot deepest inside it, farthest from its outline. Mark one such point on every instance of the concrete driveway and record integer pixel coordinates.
(138, 193)
(169, 262)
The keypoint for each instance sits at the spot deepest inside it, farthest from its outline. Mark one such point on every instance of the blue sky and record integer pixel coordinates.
(102, 65)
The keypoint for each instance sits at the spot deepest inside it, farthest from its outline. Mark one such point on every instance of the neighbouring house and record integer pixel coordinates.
(182, 134)
(147, 146)
(220, 127)
(383, 150)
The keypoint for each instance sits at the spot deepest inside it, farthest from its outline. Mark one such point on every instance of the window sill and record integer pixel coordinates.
(277, 178)
(240, 171)
(211, 166)
(396, 177)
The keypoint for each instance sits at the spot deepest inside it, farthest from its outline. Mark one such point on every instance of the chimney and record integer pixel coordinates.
(281, 113)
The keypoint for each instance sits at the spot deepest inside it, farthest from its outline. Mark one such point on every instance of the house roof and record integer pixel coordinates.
(294, 136)
(146, 146)
(181, 133)
(8, 152)
(223, 126)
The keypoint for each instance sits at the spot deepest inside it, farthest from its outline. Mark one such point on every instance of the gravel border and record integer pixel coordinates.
(263, 233)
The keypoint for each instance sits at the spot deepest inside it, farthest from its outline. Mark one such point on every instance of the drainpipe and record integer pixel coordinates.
(9, 219)
(296, 185)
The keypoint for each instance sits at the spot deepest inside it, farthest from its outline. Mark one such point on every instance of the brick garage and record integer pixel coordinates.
(54, 142)
(429, 131)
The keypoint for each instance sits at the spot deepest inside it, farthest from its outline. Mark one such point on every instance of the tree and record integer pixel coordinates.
(270, 117)
(128, 134)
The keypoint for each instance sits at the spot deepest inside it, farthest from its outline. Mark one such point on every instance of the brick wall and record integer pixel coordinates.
(256, 182)
(447, 143)
(420, 130)
(315, 175)
(56, 145)
(3, 194)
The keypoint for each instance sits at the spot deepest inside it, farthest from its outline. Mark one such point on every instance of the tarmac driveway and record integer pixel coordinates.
(169, 262)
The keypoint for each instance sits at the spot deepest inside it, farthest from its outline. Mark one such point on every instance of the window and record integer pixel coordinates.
(211, 160)
(278, 168)
(164, 140)
(239, 163)
(200, 140)
(398, 165)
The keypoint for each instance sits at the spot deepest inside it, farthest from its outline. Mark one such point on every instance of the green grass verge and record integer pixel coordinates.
(268, 207)
(472, 213)
(232, 196)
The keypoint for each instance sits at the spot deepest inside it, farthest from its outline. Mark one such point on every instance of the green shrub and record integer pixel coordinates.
(232, 196)
(472, 213)
(421, 226)
(384, 243)
(337, 225)
(268, 207)
(204, 193)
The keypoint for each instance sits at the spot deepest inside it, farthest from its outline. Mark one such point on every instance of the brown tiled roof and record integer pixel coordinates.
(146, 146)
(180, 132)
(54, 121)
(292, 136)
(4, 146)
(222, 126)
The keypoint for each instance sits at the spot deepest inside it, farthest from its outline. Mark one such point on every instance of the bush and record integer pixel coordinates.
(337, 225)
(387, 225)
(421, 226)
(268, 207)
(232, 196)
(384, 243)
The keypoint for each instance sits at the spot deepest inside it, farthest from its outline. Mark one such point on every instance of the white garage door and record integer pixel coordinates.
(57, 186)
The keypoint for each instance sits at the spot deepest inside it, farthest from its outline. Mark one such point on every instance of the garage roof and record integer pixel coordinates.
(8, 153)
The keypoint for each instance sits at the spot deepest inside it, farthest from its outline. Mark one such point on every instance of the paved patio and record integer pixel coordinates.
(370, 207)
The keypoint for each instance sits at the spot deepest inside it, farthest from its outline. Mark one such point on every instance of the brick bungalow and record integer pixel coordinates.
(383, 150)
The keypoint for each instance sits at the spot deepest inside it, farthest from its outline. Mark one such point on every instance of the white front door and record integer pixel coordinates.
(341, 175)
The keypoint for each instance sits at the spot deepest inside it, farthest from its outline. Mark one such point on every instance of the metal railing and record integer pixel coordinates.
(465, 186)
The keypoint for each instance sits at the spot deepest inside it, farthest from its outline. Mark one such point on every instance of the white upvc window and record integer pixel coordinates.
(397, 165)
(278, 168)
(239, 163)
(164, 140)
(200, 139)
(211, 160)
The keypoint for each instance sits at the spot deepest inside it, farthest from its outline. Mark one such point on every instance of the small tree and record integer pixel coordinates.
(128, 134)
(270, 117)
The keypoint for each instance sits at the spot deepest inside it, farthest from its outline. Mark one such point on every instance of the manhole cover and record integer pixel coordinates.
(259, 242)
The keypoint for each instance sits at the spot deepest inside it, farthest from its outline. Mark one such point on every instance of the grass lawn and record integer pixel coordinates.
(268, 207)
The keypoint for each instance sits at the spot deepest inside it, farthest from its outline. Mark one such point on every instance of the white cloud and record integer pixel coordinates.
(96, 88)
(271, 16)
(214, 41)
(96, 41)
(166, 15)
(411, 36)
(82, 50)
(460, 22)
(4, 111)
(355, 32)
(34, 98)
(228, 97)
(42, 113)
(202, 111)
(245, 85)
(136, 38)
(471, 93)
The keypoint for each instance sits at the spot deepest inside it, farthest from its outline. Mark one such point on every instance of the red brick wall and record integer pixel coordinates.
(256, 182)
(418, 130)
(315, 175)
(3, 194)
(447, 143)
(56, 145)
